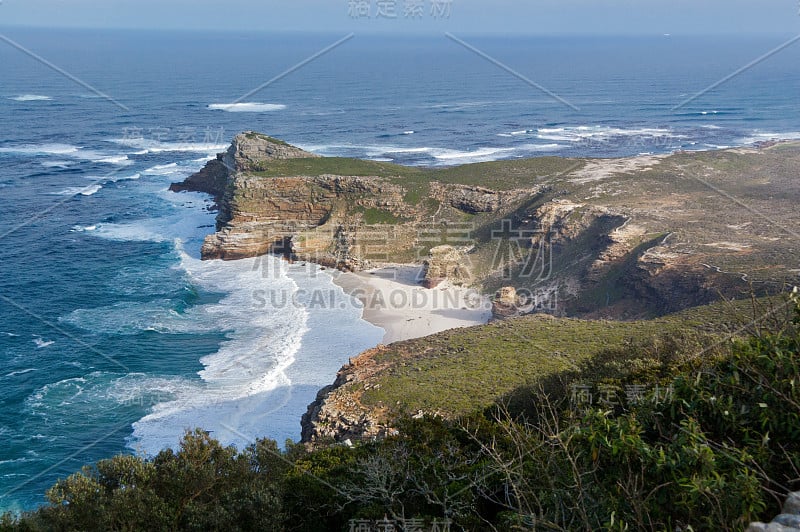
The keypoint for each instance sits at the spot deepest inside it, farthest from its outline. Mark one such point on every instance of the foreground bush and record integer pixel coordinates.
(711, 441)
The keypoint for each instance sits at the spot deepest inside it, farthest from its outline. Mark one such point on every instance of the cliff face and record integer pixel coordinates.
(340, 220)
(259, 215)
(337, 414)
(247, 152)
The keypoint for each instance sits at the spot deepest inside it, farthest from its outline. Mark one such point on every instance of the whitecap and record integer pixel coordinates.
(542, 147)
(131, 232)
(162, 169)
(767, 136)
(146, 146)
(68, 150)
(21, 372)
(475, 156)
(603, 134)
(31, 98)
(247, 107)
(128, 318)
(56, 164)
(40, 343)
(113, 178)
(82, 228)
(80, 191)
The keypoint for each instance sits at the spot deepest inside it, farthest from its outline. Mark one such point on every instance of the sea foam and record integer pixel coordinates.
(31, 98)
(247, 107)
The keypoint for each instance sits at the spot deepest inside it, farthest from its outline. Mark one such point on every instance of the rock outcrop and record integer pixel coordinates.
(505, 304)
(247, 152)
(787, 521)
(212, 180)
(347, 221)
(338, 415)
(260, 215)
(446, 263)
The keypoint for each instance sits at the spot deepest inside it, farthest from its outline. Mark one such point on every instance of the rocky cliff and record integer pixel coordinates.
(326, 215)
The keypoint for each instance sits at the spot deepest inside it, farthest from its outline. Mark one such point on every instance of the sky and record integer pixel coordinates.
(534, 17)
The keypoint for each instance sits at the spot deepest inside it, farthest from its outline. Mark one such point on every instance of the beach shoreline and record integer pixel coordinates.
(393, 300)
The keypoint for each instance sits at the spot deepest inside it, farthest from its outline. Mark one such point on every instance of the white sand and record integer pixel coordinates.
(600, 169)
(394, 301)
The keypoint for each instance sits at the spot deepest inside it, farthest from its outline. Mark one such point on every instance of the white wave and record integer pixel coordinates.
(162, 169)
(131, 177)
(390, 149)
(476, 156)
(40, 343)
(129, 318)
(247, 107)
(280, 351)
(113, 159)
(82, 228)
(410, 132)
(130, 232)
(248, 384)
(31, 98)
(514, 133)
(439, 156)
(768, 136)
(42, 149)
(717, 146)
(56, 164)
(146, 146)
(578, 134)
(542, 147)
(20, 372)
(238, 380)
(68, 150)
(103, 179)
(82, 191)
(98, 393)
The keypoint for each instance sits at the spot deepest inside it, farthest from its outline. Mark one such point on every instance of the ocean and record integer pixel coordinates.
(115, 337)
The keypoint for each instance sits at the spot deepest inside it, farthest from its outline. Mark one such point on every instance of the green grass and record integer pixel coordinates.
(344, 166)
(500, 175)
(464, 370)
(379, 216)
(508, 174)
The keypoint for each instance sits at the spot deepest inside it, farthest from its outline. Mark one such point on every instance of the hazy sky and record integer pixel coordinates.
(466, 16)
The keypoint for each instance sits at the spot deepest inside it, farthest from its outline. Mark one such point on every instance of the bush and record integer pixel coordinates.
(721, 449)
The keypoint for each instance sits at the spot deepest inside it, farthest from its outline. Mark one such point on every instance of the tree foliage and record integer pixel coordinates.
(722, 450)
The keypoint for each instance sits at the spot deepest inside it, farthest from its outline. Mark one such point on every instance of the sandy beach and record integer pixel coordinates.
(394, 301)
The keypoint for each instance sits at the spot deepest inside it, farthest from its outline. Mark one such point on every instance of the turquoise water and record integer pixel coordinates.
(114, 337)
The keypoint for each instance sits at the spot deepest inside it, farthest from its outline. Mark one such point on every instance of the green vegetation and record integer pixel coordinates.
(711, 441)
(499, 175)
(344, 166)
(378, 216)
(472, 367)
(252, 135)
